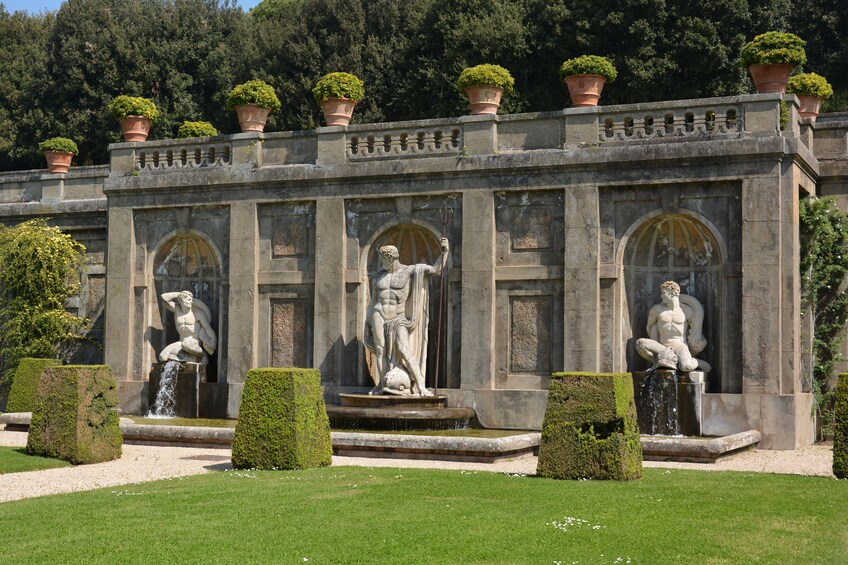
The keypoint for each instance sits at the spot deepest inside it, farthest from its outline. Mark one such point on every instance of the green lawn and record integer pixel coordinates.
(361, 515)
(16, 460)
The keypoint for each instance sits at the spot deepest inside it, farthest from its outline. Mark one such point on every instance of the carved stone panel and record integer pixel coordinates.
(289, 321)
(530, 334)
(529, 228)
(289, 237)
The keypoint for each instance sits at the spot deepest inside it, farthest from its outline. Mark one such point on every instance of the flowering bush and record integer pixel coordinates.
(774, 48)
(486, 75)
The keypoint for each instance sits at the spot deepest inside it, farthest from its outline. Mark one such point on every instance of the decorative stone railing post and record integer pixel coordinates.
(247, 149)
(581, 126)
(762, 113)
(480, 134)
(331, 145)
(121, 158)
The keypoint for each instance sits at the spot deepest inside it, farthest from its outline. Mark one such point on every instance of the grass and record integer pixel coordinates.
(360, 515)
(16, 460)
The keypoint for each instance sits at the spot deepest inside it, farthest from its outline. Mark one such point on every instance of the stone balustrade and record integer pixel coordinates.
(402, 140)
(656, 122)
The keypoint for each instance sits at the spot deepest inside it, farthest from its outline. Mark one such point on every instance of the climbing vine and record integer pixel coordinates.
(39, 272)
(824, 294)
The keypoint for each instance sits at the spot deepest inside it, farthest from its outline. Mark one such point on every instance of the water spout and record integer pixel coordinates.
(166, 397)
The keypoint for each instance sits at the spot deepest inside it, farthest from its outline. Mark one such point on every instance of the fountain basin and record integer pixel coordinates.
(187, 388)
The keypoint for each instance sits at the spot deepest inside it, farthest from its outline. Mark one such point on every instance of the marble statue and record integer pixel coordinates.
(397, 323)
(192, 318)
(675, 332)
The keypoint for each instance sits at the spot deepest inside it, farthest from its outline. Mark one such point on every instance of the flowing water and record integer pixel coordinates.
(658, 407)
(166, 397)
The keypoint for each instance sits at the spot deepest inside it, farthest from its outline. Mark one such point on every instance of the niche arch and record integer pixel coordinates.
(685, 247)
(187, 261)
(416, 243)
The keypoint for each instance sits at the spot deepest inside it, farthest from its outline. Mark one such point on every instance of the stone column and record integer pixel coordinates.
(119, 293)
(242, 308)
(478, 290)
(329, 323)
(581, 289)
(790, 252)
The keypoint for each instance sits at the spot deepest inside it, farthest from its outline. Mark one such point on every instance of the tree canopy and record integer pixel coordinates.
(62, 69)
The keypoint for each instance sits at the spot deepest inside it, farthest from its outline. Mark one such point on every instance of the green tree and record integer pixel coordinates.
(824, 25)
(824, 267)
(23, 59)
(39, 271)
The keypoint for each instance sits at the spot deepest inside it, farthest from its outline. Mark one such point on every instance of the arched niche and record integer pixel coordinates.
(416, 244)
(679, 247)
(187, 261)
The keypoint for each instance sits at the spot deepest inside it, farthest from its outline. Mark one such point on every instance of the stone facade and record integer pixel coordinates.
(562, 225)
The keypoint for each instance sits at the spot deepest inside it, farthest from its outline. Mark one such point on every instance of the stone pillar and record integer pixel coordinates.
(762, 295)
(329, 317)
(478, 290)
(581, 288)
(480, 134)
(790, 280)
(332, 145)
(120, 299)
(242, 310)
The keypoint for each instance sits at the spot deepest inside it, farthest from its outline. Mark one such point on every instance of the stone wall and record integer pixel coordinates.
(562, 224)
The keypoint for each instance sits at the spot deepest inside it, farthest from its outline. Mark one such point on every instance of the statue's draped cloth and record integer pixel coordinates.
(415, 319)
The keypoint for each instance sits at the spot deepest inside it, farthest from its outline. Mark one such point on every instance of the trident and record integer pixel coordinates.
(445, 215)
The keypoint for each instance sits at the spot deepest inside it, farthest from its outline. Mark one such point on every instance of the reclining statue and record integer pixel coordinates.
(675, 332)
(192, 319)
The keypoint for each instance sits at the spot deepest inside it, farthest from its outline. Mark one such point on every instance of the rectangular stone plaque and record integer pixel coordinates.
(290, 236)
(531, 321)
(288, 332)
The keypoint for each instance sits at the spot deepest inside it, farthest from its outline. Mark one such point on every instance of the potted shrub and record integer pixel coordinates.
(770, 58)
(484, 85)
(253, 101)
(810, 89)
(338, 93)
(196, 129)
(585, 77)
(136, 114)
(58, 151)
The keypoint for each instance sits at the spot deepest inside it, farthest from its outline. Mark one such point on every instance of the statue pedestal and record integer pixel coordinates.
(399, 413)
(668, 402)
(187, 387)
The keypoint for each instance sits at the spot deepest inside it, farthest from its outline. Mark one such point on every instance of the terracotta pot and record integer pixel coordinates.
(252, 118)
(810, 106)
(585, 90)
(337, 111)
(58, 161)
(770, 78)
(135, 128)
(484, 99)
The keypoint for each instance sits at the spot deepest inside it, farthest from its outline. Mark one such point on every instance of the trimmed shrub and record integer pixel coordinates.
(59, 144)
(588, 65)
(282, 421)
(196, 129)
(124, 106)
(494, 76)
(75, 416)
(590, 430)
(256, 92)
(774, 48)
(24, 389)
(809, 84)
(339, 85)
(840, 434)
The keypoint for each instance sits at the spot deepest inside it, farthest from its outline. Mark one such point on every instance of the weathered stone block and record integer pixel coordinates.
(589, 430)
(282, 421)
(75, 415)
(840, 435)
(24, 388)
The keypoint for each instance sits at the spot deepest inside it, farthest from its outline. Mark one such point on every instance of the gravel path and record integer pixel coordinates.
(141, 463)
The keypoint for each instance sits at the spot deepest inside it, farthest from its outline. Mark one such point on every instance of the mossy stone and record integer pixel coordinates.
(282, 421)
(589, 430)
(25, 380)
(840, 434)
(75, 415)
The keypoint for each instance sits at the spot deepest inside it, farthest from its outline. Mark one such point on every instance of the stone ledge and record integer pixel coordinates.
(696, 450)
